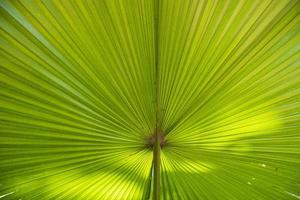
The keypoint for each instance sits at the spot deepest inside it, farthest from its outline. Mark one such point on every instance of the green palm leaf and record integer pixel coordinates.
(88, 90)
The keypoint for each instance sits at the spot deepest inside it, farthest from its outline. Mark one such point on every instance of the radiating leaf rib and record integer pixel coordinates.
(230, 99)
(76, 99)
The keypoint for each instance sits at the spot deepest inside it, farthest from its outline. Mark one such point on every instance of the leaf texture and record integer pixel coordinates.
(76, 99)
(78, 91)
(229, 74)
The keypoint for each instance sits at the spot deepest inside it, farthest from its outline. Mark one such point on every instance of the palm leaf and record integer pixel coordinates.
(88, 89)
